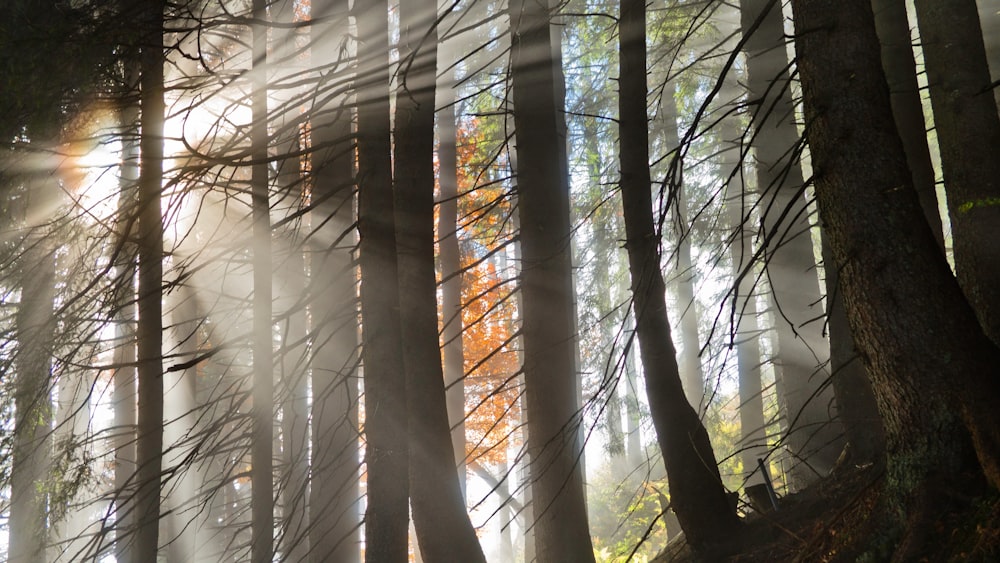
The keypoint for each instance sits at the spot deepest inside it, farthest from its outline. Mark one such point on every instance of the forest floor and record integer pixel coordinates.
(832, 521)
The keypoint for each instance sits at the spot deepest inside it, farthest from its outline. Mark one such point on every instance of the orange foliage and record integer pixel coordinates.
(491, 362)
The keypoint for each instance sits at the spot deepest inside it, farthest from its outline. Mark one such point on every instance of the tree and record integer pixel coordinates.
(932, 349)
(697, 495)
(901, 73)
(813, 439)
(968, 129)
(262, 462)
(444, 530)
(386, 432)
(335, 526)
(149, 326)
(548, 325)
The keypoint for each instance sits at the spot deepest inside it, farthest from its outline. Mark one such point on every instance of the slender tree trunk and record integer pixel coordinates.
(149, 328)
(32, 444)
(746, 330)
(690, 360)
(451, 266)
(697, 495)
(926, 354)
(901, 72)
(968, 128)
(335, 496)
(261, 454)
(386, 432)
(124, 377)
(444, 531)
(813, 438)
(548, 327)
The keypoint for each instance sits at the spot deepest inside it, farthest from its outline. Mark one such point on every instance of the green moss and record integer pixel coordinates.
(985, 202)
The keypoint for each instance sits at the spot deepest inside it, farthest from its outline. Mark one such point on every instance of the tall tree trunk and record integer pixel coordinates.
(335, 496)
(690, 360)
(968, 128)
(124, 376)
(32, 444)
(813, 438)
(746, 327)
(926, 354)
(444, 531)
(451, 267)
(697, 495)
(149, 327)
(548, 327)
(386, 432)
(262, 438)
(901, 72)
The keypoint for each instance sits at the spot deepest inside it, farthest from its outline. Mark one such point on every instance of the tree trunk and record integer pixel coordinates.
(812, 437)
(32, 443)
(261, 454)
(124, 377)
(386, 432)
(745, 325)
(149, 328)
(697, 495)
(901, 72)
(548, 327)
(856, 403)
(968, 128)
(334, 500)
(451, 266)
(444, 531)
(927, 356)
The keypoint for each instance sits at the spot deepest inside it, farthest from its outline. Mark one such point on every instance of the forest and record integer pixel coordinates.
(456, 281)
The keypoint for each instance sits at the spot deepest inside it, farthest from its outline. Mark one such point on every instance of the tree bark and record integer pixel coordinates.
(697, 495)
(968, 128)
(548, 327)
(386, 455)
(893, 30)
(261, 454)
(927, 356)
(444, 531)
(149, 328)
(811, 435)
(334, 501)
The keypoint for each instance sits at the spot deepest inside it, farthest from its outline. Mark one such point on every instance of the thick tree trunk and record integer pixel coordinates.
(149, 329)
(856, 403)
(968, 128)
(812, 436)
(928, 359)
(386, 453)
(262, 438)
(335, 496)
(901, 72)
(697, 495)
(548, 327)
(444, 531)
